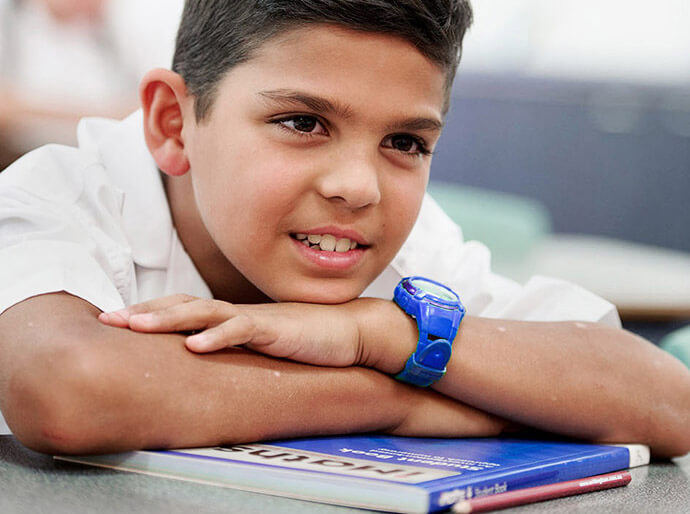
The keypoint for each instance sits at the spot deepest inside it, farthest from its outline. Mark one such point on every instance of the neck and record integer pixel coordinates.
(223, 279)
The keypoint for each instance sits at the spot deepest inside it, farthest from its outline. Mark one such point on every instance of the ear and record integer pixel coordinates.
(164, 99)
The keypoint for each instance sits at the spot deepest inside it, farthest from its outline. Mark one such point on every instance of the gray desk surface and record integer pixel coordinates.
(33, 483)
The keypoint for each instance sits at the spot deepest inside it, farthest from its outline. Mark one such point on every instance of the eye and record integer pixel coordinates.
(407, 144)
(303, 124)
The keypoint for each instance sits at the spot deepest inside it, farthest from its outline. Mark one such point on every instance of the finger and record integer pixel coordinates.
(233, 332)
(195, 315)
(121, 317)
(114, 319)
(160, 303)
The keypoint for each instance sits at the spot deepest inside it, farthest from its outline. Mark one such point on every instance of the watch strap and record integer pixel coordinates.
(416, 373)
(437, 327)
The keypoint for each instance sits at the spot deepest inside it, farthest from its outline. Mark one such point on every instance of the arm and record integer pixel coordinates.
(69, 384)
(578, 379)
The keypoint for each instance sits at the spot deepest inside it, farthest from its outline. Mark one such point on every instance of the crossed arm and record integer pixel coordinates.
(70, 382)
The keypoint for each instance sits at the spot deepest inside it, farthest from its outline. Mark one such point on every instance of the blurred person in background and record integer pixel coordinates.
(61, 60)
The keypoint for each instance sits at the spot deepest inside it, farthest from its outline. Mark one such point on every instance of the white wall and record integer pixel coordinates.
(600, 40)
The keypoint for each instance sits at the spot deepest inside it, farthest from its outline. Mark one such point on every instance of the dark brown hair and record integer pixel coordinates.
(216, 35)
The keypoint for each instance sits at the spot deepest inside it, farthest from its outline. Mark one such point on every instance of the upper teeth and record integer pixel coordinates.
(327, 242)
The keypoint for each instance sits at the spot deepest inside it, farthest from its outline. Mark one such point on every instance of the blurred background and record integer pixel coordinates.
(579, 113)
(566, 150)
(64, 59)
(584, 105)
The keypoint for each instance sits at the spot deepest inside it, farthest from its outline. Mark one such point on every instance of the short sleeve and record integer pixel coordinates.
(38, 267)
(59, 231)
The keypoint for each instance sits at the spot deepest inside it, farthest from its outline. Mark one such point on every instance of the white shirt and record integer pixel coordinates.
(94, 221)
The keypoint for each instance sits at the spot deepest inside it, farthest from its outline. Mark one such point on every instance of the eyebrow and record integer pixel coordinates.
(414, 124)
(291, 98)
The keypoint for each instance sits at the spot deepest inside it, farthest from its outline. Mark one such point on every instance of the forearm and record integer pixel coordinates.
(109, 389)
(126, 390)
(578, 379)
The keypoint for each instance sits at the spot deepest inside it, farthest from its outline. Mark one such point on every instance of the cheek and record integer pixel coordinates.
(398, 228)
(252, 194)
(405, 197)
(270, 191)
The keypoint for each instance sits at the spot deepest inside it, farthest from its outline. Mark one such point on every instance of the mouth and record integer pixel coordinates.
(328, 242)
(325, 242)
(330, 251)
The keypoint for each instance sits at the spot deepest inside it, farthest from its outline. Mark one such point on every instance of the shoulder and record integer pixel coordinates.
(70, 176)
(51, 172)
(436, 249)
(63, 225)
(56, 172)
(55, 187)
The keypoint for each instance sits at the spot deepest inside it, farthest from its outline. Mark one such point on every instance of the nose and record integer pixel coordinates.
(352, 180)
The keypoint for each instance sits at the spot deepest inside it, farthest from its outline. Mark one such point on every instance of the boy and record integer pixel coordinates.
(294, 139)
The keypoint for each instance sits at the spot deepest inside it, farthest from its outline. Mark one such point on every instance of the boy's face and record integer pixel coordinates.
(325, 131)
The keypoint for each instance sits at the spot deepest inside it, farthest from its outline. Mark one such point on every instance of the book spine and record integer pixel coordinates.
(501, 482)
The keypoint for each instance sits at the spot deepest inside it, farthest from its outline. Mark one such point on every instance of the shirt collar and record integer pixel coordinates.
(130, 167)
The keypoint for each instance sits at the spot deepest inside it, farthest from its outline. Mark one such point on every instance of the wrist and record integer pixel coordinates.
(387, 335)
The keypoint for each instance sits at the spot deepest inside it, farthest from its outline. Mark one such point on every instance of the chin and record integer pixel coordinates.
(323, 293)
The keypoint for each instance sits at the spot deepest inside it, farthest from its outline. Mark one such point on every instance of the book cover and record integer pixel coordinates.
(395, 474)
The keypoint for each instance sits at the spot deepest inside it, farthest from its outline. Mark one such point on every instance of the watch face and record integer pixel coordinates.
(434, 289)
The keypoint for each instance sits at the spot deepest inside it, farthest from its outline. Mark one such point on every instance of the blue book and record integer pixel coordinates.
(379, 472)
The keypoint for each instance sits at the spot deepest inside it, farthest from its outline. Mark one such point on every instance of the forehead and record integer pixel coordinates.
(336, 62)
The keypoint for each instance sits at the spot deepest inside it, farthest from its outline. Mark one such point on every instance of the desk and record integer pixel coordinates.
(33, 483)
(644, 282)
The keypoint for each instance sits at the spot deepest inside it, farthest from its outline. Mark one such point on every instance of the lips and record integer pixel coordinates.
(331, 239)
(326, 242)
(331, 248)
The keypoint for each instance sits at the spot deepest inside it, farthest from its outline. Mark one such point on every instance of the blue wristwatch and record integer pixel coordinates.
(438, 312)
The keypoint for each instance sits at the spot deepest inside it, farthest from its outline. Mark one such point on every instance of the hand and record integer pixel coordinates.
(325, 335)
